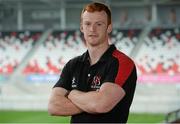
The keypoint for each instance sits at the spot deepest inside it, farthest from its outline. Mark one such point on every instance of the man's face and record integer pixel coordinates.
(94, 25)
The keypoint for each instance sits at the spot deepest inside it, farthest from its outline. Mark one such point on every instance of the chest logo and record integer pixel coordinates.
(96, 83)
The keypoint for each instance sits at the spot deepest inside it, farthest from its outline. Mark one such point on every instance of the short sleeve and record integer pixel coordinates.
(120, 69)
(65, 77)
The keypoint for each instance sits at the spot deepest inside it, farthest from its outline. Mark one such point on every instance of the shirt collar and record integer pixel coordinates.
(108, 52)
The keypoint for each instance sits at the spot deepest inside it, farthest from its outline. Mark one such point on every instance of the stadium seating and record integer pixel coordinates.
(60, 46)
(160, 52)
(125, 39)
(13, 47)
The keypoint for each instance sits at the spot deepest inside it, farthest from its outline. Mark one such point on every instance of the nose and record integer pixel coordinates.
(93, 27)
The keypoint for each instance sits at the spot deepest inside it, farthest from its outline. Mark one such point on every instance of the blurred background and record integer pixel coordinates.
(37, 37)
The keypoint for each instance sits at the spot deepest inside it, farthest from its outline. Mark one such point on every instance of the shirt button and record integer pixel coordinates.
(89, 75)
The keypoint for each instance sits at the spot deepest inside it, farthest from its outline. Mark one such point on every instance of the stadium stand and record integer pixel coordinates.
(125, 39)
(14, 46)
(164, 43)
(54, 52)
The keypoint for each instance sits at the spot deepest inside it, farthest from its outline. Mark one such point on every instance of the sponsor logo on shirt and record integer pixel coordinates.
(74, 84)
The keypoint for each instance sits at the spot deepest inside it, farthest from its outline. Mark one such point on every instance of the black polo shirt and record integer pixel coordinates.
(113, 66)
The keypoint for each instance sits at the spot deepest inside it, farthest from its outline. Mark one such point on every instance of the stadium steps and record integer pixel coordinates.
(13, 98)
(156, 98)
(143, 34)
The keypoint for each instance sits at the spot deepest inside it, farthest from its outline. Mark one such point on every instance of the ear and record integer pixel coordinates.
(109, 28)
(81, 28)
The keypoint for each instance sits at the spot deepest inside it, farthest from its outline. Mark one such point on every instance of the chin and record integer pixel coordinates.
(94, 44)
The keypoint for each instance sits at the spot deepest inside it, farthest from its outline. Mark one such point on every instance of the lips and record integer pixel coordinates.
(93, 35)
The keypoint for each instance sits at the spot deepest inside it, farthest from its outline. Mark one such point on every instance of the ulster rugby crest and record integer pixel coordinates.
(96, 83)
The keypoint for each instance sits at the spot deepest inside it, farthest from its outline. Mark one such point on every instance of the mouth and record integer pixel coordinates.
(93, 35)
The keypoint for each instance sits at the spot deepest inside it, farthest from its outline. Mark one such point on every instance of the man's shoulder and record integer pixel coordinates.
(76, 59)
(121, 56)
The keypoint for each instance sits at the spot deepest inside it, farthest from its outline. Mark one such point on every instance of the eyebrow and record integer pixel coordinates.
(97, 22)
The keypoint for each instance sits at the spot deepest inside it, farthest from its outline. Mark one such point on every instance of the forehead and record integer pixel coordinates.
(94, 16)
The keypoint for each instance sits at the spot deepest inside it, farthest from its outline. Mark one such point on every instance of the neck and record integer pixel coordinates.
(96, 52)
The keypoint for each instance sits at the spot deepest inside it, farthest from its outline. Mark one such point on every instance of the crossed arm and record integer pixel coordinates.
(77, 101)
(59, 104)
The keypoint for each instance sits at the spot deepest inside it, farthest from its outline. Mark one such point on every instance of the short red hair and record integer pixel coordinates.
(92, 7)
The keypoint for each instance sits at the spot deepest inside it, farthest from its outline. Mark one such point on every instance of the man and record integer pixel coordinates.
(99, 85)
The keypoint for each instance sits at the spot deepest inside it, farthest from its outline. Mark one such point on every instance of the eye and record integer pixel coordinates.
(87, 23)
(99, 24)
